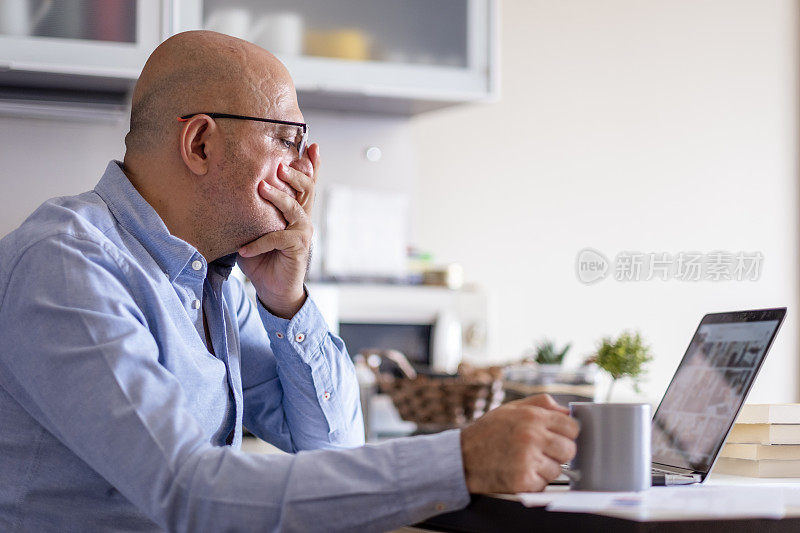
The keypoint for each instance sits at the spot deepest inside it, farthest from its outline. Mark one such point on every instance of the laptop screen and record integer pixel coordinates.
(710, 385)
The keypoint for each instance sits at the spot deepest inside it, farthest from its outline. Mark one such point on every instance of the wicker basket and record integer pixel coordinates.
(435, 403)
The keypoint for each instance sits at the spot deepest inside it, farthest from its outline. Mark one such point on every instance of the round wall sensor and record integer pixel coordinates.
(373, 154)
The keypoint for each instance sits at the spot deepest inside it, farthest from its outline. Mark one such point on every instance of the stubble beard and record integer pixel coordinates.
(235, 220)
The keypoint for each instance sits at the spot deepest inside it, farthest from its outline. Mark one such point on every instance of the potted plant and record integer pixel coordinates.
(548, 359)
(622, 357)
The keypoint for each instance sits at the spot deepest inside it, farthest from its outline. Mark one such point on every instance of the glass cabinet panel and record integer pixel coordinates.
(110, 38)
(417, 32)
(391, 56)
(93, 20)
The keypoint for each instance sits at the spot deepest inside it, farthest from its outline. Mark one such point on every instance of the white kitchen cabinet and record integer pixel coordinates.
(98, 38)
(386, 56)
(391, 56)
(75, 58)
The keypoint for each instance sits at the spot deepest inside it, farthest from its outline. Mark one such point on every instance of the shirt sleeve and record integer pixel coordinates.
(299, 384)
(79, 357)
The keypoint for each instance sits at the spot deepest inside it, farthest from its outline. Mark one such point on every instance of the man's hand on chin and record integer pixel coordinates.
(276, 263)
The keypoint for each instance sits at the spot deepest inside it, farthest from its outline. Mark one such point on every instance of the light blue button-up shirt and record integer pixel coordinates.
(114, 415)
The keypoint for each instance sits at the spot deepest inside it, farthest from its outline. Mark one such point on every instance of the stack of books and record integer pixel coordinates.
(764, 442)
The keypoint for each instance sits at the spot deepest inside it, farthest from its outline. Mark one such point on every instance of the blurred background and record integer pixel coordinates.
(472, 150)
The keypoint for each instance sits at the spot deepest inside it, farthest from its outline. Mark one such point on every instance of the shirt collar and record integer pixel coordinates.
(141, 220)
(224, 264)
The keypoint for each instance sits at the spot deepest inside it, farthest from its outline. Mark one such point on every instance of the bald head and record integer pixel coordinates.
(203, 71)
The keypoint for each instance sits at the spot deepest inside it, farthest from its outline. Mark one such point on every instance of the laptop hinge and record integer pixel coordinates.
(675, 469)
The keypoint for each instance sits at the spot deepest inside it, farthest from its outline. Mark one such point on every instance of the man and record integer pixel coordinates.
(130, 361)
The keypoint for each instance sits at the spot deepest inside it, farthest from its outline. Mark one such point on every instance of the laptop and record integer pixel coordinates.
(707, 391)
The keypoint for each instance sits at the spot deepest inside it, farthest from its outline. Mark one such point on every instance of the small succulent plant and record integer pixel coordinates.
(547, 354)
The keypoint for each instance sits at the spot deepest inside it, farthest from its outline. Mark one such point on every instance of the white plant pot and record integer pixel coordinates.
(548, 374)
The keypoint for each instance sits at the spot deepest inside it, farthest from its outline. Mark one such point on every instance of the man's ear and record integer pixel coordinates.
(200, 143)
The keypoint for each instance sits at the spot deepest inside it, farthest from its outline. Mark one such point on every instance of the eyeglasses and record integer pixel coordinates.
(299, 143)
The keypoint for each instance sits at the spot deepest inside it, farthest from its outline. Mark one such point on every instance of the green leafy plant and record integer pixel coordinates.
(622, 357)
(547, 354)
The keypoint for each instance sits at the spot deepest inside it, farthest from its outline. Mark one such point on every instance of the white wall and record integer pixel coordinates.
(638, 125)
(46, 158)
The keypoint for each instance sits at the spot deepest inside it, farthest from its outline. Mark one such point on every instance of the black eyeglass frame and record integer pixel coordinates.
(303, 141)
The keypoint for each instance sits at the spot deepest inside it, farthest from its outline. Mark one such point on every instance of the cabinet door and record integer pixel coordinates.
(402, 55)
(109, 38)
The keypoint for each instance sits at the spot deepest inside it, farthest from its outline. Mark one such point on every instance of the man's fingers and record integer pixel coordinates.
(301, 183)
(288, 206)
(544, 400)
(275, 240)
(313, 156)
(296, 179)
(559, 448)
(563, 425)
(549, 469)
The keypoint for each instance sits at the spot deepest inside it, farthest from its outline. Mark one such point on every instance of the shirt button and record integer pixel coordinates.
(279, 335)
(299, 337)
(196, 304)
(197, 264)
(326, 395)
(440, 507)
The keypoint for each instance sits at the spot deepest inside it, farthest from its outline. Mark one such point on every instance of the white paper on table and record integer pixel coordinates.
(716, 501)
(670, 502)
(540, 499)
(537, 499)
(586, 502)
(791, 495)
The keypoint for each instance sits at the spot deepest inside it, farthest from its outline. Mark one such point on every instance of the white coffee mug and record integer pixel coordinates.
(613, 447)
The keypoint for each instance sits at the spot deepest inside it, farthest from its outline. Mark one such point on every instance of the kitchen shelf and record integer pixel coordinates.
(382, 87)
